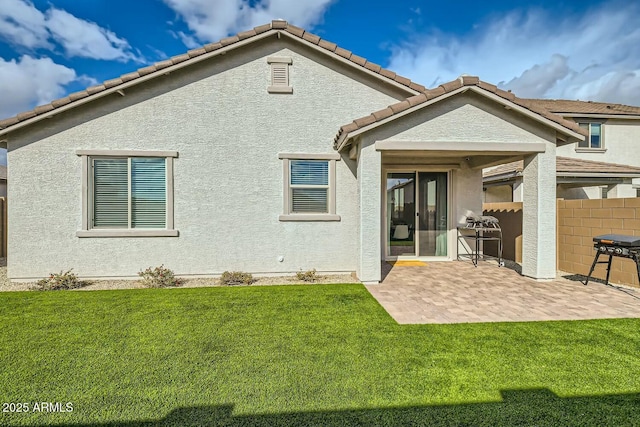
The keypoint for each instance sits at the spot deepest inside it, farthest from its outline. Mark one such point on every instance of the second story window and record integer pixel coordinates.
(594, 140)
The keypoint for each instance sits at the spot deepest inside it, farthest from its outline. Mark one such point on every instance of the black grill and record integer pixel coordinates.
(617, 245)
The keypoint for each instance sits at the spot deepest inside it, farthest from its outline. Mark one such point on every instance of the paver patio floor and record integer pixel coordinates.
(458, 292)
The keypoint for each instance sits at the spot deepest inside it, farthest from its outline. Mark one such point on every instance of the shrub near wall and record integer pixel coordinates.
(580, 220)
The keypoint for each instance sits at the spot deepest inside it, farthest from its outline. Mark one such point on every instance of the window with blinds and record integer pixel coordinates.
(309, 186)
(129, 193)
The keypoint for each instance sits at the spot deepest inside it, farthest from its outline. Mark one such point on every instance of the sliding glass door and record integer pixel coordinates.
(417, 214)
(401, 208)
(432, 214)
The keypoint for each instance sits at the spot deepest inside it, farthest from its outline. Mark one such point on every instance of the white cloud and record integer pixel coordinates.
(594, 56)
(32, 82)
(22, 24)
(212, 20)
(86, 39)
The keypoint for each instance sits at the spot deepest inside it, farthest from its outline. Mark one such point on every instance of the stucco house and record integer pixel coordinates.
(136, 171)
(3, 181)
(604, 165)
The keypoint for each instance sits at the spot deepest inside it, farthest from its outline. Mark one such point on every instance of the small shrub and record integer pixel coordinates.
(308, 276)
(234, 278)
(60, 281)
(159, 277)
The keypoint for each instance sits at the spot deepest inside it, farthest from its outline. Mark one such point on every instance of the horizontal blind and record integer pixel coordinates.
(309, 200)
(148, 193)
(309, 186)
(110, 193)
(309, 172)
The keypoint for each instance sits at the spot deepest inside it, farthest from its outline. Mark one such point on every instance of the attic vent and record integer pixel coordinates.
(279, 74)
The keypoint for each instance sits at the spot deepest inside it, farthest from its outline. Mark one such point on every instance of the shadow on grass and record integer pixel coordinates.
(539, 407)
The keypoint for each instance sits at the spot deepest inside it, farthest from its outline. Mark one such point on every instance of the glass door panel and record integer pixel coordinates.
(401, 213)
(432, 219)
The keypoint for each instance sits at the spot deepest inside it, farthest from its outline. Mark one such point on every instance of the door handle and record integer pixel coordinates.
(417, 213)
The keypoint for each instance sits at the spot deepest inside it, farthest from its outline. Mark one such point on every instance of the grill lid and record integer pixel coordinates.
(617, 240)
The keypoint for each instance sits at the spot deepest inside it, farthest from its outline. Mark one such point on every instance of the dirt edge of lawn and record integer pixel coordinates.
(7, 286)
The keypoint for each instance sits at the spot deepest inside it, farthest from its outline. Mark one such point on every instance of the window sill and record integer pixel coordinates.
(280, 89)
(591, 150)
(309, 217)
(127, 233)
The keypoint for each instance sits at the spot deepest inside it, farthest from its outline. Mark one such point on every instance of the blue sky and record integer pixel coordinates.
(547, 49)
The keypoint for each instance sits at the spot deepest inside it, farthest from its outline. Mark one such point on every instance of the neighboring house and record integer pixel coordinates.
(3, 181)
(574, 178)
(136, 172)
(611, 154)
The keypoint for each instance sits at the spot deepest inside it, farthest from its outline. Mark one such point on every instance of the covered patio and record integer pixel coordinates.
(458, 292)
(419, 169)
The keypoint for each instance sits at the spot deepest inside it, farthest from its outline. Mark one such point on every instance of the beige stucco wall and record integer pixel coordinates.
(228, 179)
(468, 118)
(498, 194)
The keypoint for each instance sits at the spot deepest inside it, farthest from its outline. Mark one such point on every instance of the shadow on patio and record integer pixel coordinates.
(458, 292)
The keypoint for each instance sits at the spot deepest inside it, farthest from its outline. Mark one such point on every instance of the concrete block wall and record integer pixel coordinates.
(580, 220)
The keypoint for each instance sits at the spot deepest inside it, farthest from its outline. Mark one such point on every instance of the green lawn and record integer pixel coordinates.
(401, 243)
(303, 355)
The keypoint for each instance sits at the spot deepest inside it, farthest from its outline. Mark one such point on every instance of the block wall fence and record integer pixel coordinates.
(578, 221)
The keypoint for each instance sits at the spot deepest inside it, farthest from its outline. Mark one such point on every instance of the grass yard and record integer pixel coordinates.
(401, 243)
(302, 355)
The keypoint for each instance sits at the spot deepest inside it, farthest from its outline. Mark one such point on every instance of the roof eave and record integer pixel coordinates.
(501, 177)
(293, 33)
(621, 116)
(572, 136)
(598, 174)
(141, 79)
(349, 63)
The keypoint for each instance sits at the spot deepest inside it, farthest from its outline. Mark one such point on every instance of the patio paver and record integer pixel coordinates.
(457, 292)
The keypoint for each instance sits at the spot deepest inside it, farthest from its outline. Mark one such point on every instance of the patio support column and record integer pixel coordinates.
(539, 215)
(370, 182)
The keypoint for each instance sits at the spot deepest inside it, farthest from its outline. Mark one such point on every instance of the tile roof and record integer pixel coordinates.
(163, 67)
(583, 107)
(567, 166)
(442, 90)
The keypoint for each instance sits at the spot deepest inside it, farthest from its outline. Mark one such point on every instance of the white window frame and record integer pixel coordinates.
(288, 215)
(282, 64)
(591, 149)
(86, 157)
